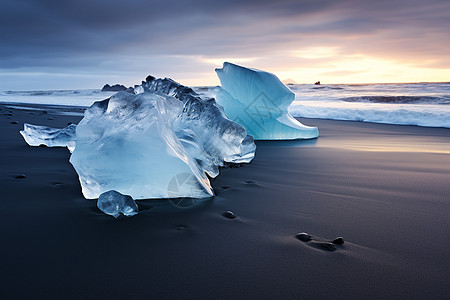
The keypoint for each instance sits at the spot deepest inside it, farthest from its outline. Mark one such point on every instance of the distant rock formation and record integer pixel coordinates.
(117, 88)
(317, 82)
(121, 87)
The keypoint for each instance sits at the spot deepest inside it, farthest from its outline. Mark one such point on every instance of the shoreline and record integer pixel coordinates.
(383, 188)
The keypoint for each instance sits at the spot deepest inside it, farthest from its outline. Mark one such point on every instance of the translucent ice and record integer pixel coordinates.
(142, 144)
(114, 203)
(139, 144)
(258, 101)
(127, 143)
(36, 135)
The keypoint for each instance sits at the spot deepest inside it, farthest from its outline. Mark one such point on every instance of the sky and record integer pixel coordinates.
(47, 44)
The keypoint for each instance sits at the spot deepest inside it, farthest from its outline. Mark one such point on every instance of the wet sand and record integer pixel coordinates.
(384, 188)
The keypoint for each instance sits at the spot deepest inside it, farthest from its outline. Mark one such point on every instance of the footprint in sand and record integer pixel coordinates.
(319, 243)
(251, 183)
(181, 227)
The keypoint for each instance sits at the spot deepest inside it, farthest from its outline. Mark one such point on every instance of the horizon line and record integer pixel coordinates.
(287, 84)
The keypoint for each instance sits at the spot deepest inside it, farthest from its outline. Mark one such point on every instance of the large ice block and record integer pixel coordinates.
(258, 100)
(139, 144)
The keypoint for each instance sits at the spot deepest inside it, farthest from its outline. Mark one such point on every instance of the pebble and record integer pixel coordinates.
(14, 122)
(21, 176)
(303, 236)
(229, 215)
(338, 241)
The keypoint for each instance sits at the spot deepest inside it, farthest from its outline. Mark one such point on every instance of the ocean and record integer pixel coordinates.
(421, 104)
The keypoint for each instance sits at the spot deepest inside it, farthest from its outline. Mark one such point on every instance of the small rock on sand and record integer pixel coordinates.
(338, 241)
(229, 215)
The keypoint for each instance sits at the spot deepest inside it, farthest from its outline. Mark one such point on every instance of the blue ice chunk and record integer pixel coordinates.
(140, 144)
(114, 203)
(258, 100)
(36, 135)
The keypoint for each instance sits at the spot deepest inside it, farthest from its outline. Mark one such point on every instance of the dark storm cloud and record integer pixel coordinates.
(45, 28)
(86, 35)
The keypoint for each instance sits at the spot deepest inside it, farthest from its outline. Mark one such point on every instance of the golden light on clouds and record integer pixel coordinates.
(328, 65)
(362, 69)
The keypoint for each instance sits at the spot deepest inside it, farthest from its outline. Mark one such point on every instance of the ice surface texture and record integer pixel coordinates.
(114, 203)
(36, 135)
(258, 101)
(204, 129)
(139, 144)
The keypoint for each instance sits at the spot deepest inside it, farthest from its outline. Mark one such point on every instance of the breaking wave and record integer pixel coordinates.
(402, 115)
(422, 104)
(400, 99)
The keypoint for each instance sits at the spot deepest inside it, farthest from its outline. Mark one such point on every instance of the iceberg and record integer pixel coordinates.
(114, 203)
(258, 100)
(138, 144)
(36, 135)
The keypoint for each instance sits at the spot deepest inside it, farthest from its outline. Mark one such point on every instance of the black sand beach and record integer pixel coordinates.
(384, 188)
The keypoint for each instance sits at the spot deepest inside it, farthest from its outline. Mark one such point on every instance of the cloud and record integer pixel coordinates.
(183, 37)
